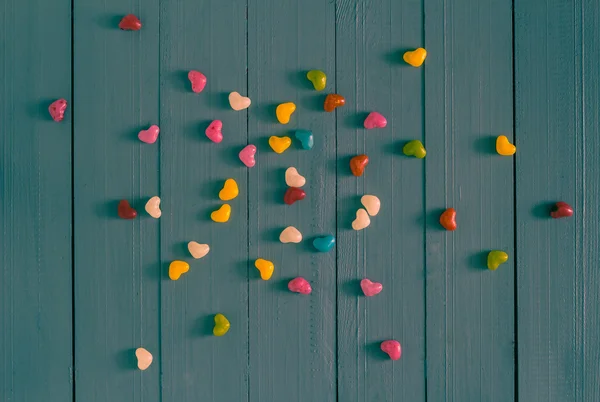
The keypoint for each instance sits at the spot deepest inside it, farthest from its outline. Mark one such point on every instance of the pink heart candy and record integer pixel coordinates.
(370, 288)
(57, 109)
(149, 136)
(392, 348)
(375, 120)
(213, 132)
(198, 81)
(247, 155)
(300, 285)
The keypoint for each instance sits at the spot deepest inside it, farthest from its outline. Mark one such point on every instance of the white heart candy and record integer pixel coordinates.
(238, 102)
(371, 203)
(362, 220)
(290, 235)
(153, 207)
(198, 250)
(293, 178)
(144, 358)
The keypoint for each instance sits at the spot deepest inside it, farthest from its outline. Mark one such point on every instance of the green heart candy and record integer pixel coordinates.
(495, 258)
(221, 325)
(414, 148)
(318, 79)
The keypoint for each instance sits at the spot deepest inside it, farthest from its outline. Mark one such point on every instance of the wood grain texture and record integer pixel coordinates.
(35, 202)
(468, 102)
(557, 122)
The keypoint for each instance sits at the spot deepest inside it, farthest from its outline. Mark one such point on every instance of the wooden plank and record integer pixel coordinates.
(116, 261)
(468, 102)
(371, 75)
(292, 337)
(210, 37)
(557, 95)
(35, 202)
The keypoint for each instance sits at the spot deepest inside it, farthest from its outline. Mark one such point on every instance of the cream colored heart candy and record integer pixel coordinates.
(238, 102)
(362, 220)
(293, 178)
(371, 204)
(290, 235)
(144, 358)
(153, 207)
(198, 250)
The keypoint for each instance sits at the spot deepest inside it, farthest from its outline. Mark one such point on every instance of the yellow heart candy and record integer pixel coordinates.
(222, 325)
(144, 358)
(284, 112)
(222, 214)
(416, 57)
(280, 144)
(504, 147)
(178, 268)
(362, 220)
(265, 268)
(230, 190)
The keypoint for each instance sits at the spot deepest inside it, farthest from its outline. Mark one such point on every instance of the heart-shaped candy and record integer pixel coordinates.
(293, 178)
(324, 243)
(279, 144)
(375, 120)
(238, 102)
(561, 210)
(130, 23)
(149, 136)
(495, 258)
(448, 219)
(293, 194)
(222, 325)
(153, 207)
(392, 348)
(358, 164)
(198, 81)
(415, 57)
(57, 109)
(504, 147)
(178, 268)
(284, 111)
(198, 250)
(144, 358)
(265, 267)
(229, 191)
(213, 131)
(222, 214)
(306, 138)
(370, 288)
(362, 220)
(333, 101)
(247, 155)
(371, 204)
(125, 211)
(290, 235)
(318, 79)
(414, 148)
(300, 285)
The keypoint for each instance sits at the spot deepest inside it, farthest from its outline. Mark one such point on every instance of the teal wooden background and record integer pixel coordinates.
(80, 289)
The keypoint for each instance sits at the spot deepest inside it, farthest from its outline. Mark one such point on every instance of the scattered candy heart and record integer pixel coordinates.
(213, 131)
(375, 120)
(300, 285)
(144, 358)
(293, 178)
(279, 144)
(130, 23)
(198, 250)
(178, 268)
(416, 57)
(324, 243)
(370, 288)
(371, 204)
(265, 268)
(358, 164)
(222, 214)
(239, 102)
(149, 136)
(230, 190)
(57, 109)
(222, 325)
(247, 155)
(504, 147)
(290, 235)
(198, 81)
(561, 210)
(448, 219)
(125, 211)
(495, 258)
(362, 220)
(318, 79)
(392, 348)
(306, 138)
(333, 101)
(414, 148)
(153, 207)
(284, 111)
(293, 194)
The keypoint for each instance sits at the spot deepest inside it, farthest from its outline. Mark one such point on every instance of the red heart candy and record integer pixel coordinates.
(358, 164)
(448, 219)
(125, 211)
(332, 101)
(130, 23)
(293, 194)
(370, 288)
(561, 210)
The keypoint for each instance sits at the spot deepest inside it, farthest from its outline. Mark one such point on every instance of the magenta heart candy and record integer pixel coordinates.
(57, 109)
(375, 120)
(149, 136)
(370, 288)
(300, 285)
(392, 348)
(213, 132)
(198, 81)
(247, 155)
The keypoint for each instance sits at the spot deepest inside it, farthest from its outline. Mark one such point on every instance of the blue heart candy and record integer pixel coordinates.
(325, 243)
(306, 138)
